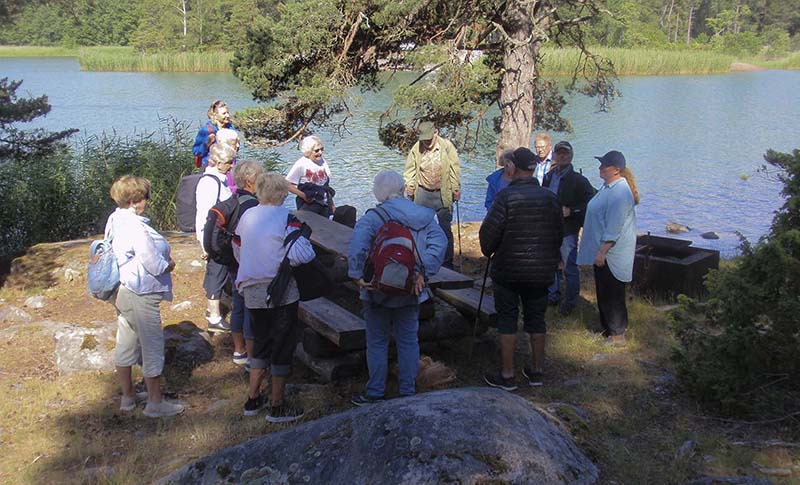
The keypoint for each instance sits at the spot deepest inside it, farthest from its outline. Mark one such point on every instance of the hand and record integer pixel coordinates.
(170, 266)
(561, 265)
(204, 257)
(364, 285)
(211, 139)
(456, 195)
(410, 190)
(419, 284)
(566, 211)
(600, 259)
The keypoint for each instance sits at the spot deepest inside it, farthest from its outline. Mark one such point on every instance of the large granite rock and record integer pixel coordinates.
(81, 349)
(470, 435)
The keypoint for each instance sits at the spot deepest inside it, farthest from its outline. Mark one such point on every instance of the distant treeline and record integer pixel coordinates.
(764, 28)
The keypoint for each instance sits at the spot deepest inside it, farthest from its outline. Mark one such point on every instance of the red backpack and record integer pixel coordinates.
(392, 257)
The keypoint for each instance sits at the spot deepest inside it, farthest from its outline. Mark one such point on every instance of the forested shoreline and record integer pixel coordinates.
(742, 28)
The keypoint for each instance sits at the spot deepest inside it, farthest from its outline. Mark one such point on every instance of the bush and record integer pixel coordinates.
(64, 195)
(740, 357)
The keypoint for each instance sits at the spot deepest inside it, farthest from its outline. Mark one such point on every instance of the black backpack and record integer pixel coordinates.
(186, 201)
(219, 231)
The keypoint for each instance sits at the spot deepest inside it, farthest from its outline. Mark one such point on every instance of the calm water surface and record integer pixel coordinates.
(689, 139)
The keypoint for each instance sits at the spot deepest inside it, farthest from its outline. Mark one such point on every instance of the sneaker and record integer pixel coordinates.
(128, 403)
(253, 406)
(497, 380)
(247, 367)
(284, 413)
(362, 399)
(240, 358)
(535, 379)
(615, 340)
(163, 409)
(218, 326)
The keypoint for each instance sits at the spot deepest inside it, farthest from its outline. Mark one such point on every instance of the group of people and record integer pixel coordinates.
(536, 202)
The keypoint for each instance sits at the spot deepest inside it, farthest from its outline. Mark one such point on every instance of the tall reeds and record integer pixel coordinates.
(129, 59)
(645, 62)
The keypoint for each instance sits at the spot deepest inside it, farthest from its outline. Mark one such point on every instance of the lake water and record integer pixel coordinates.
(694, 142)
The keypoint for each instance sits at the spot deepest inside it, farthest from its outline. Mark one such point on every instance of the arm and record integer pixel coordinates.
(205, 196)
(454, 172)
(360, 244)
(145, 249)
(493, 227)
(620, 203)
(490, 192)
(410, 172)
(435, 247)
(293, 177)
(584, 193)
(200, 147)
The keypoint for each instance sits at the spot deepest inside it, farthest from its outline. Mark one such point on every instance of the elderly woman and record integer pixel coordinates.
(263, 230)
(310, 177)
(394, 314)
(228, 136)
(212, 188)
(609, 243)
(218, 118)
(145, 265)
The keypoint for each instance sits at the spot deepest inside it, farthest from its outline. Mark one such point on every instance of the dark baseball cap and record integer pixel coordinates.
(613, 158)
(562, 145)
(524, 159)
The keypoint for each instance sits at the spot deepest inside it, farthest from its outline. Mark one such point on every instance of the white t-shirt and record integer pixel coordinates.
(206, 197)
(305, 170)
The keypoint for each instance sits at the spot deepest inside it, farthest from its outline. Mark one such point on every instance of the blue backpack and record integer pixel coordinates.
(103, 271)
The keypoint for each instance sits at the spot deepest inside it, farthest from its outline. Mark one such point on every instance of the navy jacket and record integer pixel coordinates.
(575, 192)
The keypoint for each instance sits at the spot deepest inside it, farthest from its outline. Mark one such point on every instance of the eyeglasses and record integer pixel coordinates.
(319, 150)
(540, 147)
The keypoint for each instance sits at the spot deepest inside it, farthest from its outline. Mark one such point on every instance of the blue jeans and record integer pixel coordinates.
(569, 253)
(381, 323)
(240, 317)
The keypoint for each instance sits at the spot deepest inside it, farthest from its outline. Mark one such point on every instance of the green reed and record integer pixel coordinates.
(36, 51)
(627, 62)
(129, 59)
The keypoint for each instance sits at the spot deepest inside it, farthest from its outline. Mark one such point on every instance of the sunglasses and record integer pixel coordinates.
(319, 150)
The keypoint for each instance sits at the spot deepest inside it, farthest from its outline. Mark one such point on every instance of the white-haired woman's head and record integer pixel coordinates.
(388, 184)
(228, 137)
(312, 147)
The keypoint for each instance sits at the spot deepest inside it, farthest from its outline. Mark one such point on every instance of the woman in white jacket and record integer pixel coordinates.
(145, 265)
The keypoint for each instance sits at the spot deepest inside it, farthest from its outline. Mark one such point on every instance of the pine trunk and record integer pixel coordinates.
(517, 84)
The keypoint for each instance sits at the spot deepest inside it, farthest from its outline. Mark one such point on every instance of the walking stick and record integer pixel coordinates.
(480, 302)
(458, 226)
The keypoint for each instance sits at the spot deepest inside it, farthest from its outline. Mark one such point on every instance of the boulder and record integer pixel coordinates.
(13, 314)
(710, 235)
(674, 227)
(34, 302)
(80, 349)
(186, 346)
(468, 435)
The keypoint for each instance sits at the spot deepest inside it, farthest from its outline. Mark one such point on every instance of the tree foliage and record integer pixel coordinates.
(305, 59)
(740, 355)
(17, 144)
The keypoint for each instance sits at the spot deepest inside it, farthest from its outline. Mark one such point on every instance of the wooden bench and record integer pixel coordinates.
(465, 300)
(334, 237)
(333, 322)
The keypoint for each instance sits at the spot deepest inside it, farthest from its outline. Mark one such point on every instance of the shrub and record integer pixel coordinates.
(740, 357)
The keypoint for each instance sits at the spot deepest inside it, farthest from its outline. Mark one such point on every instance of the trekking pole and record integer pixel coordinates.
(458, 226)
(480, 302)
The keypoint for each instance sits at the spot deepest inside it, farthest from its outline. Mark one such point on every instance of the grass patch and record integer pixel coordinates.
(790, 62)
(36, 51)
(129, 59)
(645, 62)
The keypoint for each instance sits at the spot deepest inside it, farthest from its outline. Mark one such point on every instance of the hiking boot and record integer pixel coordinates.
(284, 413)
(535, 379)
(240, 358)
(163, 409)
(497, 380)
(362, 399)
(615, 340)
(253, 406)
(129, 403)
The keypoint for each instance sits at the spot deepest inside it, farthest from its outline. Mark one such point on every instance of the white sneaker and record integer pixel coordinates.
(128, 403)
(163, 409)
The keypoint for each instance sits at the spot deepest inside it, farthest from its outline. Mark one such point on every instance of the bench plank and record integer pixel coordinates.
(334, 237)
(466, 301)
(338, 325)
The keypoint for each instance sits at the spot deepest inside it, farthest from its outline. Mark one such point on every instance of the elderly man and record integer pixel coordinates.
(433, 178)
(522, 234)
(393, 314)
(545, 153)
(574, 191)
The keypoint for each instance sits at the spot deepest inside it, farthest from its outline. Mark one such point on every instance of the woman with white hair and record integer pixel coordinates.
(228, 136)
(213, 188)
(263, 230)
(398, 314)
(309, 179)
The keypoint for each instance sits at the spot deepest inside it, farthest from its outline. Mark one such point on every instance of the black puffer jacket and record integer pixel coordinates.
(575, 192)
(523, 231)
